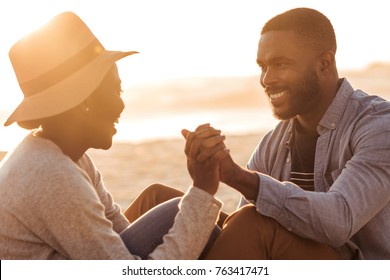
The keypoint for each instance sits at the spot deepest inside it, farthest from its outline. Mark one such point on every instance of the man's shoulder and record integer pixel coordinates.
(366, 108)
(365, 100)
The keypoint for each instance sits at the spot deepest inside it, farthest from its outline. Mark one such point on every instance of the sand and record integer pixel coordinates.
(128, 168)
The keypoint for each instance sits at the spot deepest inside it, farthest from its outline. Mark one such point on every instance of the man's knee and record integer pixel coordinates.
(248, 219)
(154, 189)
(160, 192)
(246, 215)
(241, 218)
(150, 197)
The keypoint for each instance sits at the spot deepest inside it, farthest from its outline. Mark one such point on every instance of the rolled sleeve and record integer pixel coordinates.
(271, 199)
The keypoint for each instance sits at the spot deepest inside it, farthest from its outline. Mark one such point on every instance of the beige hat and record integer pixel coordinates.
(58, 66)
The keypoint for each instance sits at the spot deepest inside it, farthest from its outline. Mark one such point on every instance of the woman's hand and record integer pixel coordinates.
(205, 149)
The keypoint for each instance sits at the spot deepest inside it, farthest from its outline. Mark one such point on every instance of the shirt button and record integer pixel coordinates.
(288, 160)
(332, 125)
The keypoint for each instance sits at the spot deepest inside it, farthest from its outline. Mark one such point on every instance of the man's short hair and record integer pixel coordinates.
(308, 23)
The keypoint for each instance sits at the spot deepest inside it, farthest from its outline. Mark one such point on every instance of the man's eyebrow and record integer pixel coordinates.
(274, 60)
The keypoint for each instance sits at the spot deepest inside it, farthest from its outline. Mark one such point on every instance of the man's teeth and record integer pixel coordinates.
(276, 95)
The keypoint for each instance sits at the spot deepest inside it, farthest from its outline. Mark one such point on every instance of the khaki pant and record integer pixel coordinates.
(246, 234)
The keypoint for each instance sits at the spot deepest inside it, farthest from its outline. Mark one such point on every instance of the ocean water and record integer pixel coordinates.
(168, 125)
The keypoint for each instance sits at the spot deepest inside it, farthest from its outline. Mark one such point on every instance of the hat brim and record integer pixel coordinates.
(69, 92)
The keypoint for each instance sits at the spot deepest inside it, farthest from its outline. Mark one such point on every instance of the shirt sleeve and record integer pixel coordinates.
(93, 235)
(193, 225)
(359, 191)
(111, 209)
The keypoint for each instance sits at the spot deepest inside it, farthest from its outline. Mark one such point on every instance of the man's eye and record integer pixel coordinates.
(281, 65)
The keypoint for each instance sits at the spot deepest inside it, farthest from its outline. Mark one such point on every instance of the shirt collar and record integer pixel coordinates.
(333, 114)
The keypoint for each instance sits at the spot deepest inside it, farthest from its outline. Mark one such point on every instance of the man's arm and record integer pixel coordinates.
(243, 180)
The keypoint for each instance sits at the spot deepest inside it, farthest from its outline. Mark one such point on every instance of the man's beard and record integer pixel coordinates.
(301, 100)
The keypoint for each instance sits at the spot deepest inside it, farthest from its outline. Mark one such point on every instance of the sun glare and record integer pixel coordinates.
(186, 38)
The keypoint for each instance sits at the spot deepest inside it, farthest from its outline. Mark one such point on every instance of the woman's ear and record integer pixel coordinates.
(84, 107)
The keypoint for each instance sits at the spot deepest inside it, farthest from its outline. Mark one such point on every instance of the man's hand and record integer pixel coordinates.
(205, 149)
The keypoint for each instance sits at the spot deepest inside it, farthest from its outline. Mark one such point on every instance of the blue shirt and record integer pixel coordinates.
(350, 208)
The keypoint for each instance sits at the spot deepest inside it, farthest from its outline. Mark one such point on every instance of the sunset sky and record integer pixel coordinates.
(191, 38)
(195, 37)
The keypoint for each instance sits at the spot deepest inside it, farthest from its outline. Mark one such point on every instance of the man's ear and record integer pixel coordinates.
(328, 62)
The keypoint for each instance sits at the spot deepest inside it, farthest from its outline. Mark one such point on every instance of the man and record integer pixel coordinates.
(318, 185)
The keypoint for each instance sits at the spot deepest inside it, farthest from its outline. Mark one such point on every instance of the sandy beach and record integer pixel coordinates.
(128, 168)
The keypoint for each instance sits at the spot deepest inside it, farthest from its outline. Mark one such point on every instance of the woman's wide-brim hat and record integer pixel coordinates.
(58, 66)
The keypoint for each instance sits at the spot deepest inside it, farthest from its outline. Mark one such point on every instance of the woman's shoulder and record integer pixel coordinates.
(36, 174)
(37, 161)
(38, 153)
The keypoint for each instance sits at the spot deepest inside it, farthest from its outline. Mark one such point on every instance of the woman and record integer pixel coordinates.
(53, 203)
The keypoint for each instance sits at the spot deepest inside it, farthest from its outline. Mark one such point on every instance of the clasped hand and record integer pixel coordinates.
(205, 150)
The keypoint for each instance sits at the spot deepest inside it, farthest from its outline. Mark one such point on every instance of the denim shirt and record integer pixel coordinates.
(350, 208)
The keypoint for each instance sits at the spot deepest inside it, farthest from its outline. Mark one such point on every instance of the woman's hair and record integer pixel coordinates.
(31, 124)
(312, 25)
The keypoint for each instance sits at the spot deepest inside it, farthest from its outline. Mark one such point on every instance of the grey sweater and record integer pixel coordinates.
(53, 208)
